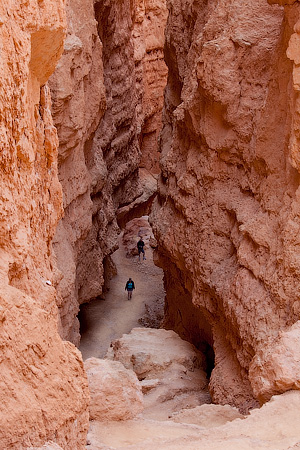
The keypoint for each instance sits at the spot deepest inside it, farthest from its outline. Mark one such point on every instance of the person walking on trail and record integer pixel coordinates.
(140, 246)
(129, 288)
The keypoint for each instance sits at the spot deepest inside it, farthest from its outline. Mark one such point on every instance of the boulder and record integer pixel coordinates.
(275, 368)
(170, 370)
(116, 393)
(149, 352)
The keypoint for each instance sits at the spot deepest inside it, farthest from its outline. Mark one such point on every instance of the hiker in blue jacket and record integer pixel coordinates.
(129, 288)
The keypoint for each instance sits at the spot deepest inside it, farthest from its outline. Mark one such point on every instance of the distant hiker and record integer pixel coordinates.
(140, 246)
(129, 288)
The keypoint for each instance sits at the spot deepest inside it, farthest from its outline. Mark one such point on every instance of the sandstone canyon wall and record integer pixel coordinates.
(149, 35)
(79, 102)
(227, 215)
(107, 99)
(43, 385)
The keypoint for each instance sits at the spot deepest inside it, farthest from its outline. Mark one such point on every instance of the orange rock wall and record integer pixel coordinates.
(79, 102)
(43, 385)
(107, 88)
(227, 216)
(150, 20)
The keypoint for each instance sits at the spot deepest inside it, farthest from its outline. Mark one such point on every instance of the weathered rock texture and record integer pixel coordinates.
(43, 386)
(274, 426)
(78, 104)
(227, 218)
(168, 368)
(171, 370)
(208, 416)
(116, 393)
(135, 229)
(47, 446)
(150, 19)
(107, 94)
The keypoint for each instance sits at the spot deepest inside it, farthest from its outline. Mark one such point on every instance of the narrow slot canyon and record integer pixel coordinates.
(106, 319)
(174, 121)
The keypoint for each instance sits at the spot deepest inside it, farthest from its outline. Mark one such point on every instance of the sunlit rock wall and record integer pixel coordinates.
(227, 216)
(107, 88)
(44, 389)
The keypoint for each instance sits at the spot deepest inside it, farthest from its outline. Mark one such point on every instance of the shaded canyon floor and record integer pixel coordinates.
(102, 321)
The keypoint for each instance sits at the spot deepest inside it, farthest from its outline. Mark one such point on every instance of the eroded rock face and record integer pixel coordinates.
(276, 366)
(116, 393)
(150, 20)
(135, 229)
(107, 94)
(171, 370)
(42, 378)
(227, 217)
(79, 102)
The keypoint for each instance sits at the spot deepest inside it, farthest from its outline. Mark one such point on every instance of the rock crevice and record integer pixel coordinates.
(105, 91)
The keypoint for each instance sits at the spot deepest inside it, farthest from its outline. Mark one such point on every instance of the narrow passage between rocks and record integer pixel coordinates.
(102, 321)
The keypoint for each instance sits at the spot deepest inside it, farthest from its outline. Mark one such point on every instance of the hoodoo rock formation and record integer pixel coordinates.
(107, 101)
(227, 216)
(40, 374)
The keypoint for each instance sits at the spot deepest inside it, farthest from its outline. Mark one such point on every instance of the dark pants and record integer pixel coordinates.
(141, 250)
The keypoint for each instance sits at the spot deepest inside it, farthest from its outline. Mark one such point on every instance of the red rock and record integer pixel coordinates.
(226, 219)
(44, 387)
(135, 229)
(107, 100)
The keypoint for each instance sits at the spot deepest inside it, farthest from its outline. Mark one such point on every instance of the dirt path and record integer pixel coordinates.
(105, 320)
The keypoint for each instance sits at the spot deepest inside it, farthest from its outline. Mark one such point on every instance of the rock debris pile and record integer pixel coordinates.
(175, 413)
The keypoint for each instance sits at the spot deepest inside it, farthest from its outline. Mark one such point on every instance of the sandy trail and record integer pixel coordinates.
(102, 321)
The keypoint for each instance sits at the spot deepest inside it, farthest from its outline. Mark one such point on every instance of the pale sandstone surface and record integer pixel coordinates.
(44, 388)
(116, 393)
(148, 352)
(47, 446)
(276, 367)
(227, 216)
(275, 427)
(170, 370)
(208, 416)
